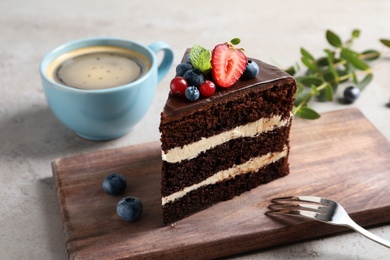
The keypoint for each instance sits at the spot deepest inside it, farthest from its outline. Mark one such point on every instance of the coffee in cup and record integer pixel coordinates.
(101, 87)
(98, 67)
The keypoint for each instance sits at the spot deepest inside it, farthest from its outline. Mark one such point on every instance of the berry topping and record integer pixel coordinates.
(207, 88)
(187, 58)
(129, 208)
(114, 184)
(202, 70)
(182, 68)
(178, 85)
(192, 93)
(251, 70)
(351, 94)
(227, 64)
(194, 77)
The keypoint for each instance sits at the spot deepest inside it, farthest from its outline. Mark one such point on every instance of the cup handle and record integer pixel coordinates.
(167, 60)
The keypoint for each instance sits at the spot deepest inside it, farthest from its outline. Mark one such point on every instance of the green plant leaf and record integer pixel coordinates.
(310, 80)
(355, 78)
(343, 75)
(328, 91)
(307, 54)
(293, 69)
(351, 57)
(290, 70)
(299, 89)
(235, 41)
(307, 113)
(322, 62)
(330, 57)
(314, 90)
(356, 33)
(309, 64)
(386, 42)
(365, 81)
(370, 55)
(302, 98)
(333, 39)
(324, 93)
(329, 77)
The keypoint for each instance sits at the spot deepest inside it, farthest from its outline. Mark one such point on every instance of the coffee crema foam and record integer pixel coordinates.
(98, 67)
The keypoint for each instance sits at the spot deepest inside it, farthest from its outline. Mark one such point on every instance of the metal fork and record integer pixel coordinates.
(324, 210)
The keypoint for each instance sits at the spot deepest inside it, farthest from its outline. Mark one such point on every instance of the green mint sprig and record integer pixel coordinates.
(322, 76)
(200, 58)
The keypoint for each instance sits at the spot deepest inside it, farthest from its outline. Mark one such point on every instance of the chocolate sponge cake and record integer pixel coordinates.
(217, 147)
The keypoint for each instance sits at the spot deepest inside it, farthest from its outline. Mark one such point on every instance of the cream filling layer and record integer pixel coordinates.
(191, 151)
(250, 166)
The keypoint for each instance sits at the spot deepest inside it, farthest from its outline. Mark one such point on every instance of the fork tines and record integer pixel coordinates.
(310, 199)
(306, 206)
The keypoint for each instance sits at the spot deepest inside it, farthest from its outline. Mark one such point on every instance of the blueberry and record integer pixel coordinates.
(187, 58)
(251, 70)
(129, 208)
(194, 77)
(192, 93)
(182, 68)
(114, 184)
(351, 93)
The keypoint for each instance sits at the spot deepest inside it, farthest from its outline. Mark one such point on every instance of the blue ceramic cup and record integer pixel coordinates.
(103, 114)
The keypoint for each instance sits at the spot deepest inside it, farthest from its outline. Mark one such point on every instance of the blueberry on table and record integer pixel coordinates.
(129, 208)
(114, 184)
(351, 93)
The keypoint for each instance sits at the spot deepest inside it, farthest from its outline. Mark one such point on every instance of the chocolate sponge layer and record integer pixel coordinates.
(209, 195)
(237, 151)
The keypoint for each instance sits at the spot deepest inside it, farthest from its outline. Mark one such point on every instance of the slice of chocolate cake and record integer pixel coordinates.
(217, 147)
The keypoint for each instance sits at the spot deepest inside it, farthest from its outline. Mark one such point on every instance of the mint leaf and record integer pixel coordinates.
(200, 58)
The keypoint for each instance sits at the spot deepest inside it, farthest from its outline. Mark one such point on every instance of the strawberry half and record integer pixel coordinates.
(227, 64)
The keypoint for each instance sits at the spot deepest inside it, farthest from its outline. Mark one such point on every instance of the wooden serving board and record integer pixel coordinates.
(340, 156)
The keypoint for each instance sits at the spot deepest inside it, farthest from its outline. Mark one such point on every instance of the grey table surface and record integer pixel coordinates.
(31, 137)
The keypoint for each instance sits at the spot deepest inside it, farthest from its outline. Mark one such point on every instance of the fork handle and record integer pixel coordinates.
(368, 234)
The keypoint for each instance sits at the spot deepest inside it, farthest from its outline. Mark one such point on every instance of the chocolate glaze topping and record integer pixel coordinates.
(179, 105)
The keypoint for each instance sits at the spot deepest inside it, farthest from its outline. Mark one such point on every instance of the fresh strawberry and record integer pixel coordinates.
(227, 64)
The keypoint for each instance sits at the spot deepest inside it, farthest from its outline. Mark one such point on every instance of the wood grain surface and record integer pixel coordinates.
(340, 156)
